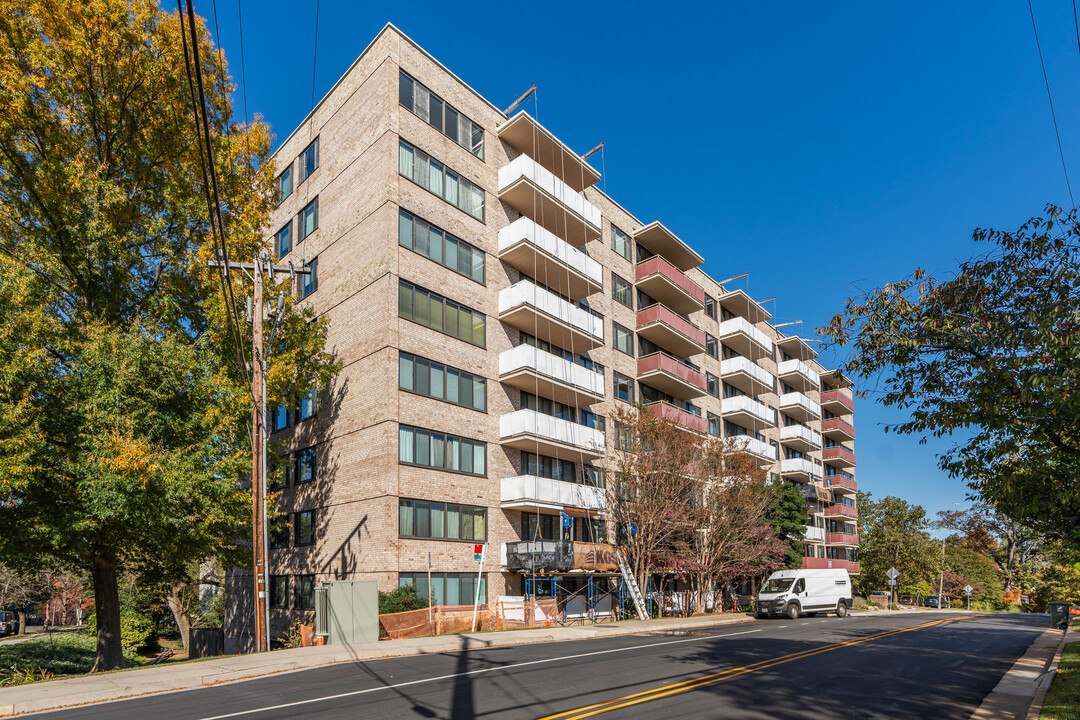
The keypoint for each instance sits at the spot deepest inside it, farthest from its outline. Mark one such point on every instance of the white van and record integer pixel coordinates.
(796, 592)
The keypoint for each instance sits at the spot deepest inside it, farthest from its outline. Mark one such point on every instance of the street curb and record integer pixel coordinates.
(1046, 680)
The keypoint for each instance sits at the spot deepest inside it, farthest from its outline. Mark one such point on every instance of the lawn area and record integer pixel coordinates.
(69, 653)
(1063, 700)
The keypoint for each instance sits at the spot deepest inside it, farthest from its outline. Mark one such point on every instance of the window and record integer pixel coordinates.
(624, 387)
(305, 592)
(279, 591)
(305, 465)
(710, 306)
(305, 527)
(284, 184)
(431, 175)
(527, 339)
(308, 282)
(622, 339)
(279, 532)
(710, 345)
(620, 242)
(446, 588)
(309, 219)
(442, 247)
(307, 403)
(309, 160)
(712, 384)
(714, 425)
(547, 467)
(441, 382)
(622, 291)
(427, 519)
(283, 240)
(279, 477)
(624, 438)
(441, 451)
(546, 406)
(542, 527)
(440, 115)
(280, 419)
(438, 313)
(592, 420)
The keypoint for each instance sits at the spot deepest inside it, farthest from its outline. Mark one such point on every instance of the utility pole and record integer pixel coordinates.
(259, 534)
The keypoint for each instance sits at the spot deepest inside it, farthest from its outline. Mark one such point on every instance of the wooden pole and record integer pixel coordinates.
(258, 498)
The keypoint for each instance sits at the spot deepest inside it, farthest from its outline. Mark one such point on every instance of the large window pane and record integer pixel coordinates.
(405, 160)
(405, 372)
(405, 518)
(438, 374)
(405, 229)
(438, 514)
(406, 445)
(405, 301)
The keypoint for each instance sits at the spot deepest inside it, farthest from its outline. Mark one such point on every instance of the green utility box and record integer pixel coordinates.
(1059, 615)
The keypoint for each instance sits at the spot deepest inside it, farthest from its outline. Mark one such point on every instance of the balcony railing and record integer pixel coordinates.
(741, 335)
(545, 256)
(799, 406)
(544, 197)
(747, 407)
(529, 491)
(798, 374)
(839, 483)
(839, 454)
(683, 418)
(528, 368)
(799, 468)
(809, 563)
(811, 532)
(842, 511)
(668, 330)
(666, 283)
(841, 539)
(535, 431)
(755, 447)
(800, 435)
(671, 376)
(835, 427)
(746, 375)
(837, 402)
(537, 311)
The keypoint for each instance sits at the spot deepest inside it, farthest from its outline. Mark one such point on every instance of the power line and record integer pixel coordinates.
(243, 75)
(1050, 97)
(315, 54)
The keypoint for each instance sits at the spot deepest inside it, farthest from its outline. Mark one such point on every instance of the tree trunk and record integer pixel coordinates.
(110, 653)
(22, 620)
(175, 599)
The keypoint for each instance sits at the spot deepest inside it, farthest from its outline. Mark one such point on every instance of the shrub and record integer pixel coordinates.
(292, 637)
(136, 631)
(400, 600)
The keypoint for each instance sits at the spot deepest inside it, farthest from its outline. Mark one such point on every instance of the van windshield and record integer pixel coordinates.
(777, 585)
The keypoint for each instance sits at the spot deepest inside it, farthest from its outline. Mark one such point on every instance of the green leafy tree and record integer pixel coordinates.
(990, 354)
(894, 533)
(123, 409)
(976, 569)
(788, 515)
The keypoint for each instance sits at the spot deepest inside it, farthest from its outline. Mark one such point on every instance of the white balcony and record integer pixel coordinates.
(799, 406)
(536, 371)
(547, 435)
(798, 375)
(814, 533)
(755, 447)
(741, 336)
(747, 411)
(544, 314)
(528, 492)
(746, 375)
(800, 437)
(549, 259)
(799, 469)
(535, 192)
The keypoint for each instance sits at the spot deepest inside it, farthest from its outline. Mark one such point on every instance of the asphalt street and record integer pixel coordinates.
(922, 664)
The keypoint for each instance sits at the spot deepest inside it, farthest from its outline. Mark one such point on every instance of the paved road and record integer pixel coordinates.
(926, 664)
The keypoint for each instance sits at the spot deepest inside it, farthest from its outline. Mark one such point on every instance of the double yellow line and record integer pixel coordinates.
(663, 691)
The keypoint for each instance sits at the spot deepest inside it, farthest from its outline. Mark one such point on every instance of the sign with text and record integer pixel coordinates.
(595, 556)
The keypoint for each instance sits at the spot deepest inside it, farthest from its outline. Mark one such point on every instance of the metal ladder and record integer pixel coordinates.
(632, 586)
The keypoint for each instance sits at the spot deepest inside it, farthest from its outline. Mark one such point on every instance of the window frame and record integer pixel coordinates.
(303, 603)
(462, 508)
(627, 288)
(629, 381)
(303, 288)
(458, 309)
(300, 236)
(301, 166)
(474, 149)
(446, 439)
(616, 330)
(472, 381)
(300, 457)
(278, 598)
(629, 256)
(297, 520)
(472, 250)
(277, 182)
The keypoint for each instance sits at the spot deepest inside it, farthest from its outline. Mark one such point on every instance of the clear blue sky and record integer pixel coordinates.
(819, 146)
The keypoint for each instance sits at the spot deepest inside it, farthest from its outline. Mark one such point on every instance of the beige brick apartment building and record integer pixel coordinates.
(490, 306)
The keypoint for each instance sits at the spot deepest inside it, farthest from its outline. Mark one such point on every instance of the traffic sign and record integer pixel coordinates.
(478, 552)
(892, 573)
(968, 589)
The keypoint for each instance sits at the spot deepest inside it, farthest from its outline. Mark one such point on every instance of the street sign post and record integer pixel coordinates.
(967, 591)
(479, 553)
(892, 574)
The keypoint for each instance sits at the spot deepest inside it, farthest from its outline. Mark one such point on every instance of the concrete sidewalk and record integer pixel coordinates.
(1018, 696)
(103, 687)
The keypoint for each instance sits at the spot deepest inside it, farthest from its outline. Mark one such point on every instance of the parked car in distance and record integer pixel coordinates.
(9, 623)
(880, 597)
(931, 601)
(909, 600)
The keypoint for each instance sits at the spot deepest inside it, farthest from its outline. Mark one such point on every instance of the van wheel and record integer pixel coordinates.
(841, 609)
(792, 611)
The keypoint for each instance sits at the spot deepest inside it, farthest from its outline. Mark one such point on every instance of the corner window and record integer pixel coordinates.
(305, 527)
(710, 345)
(712, 384)
(710, 306)
(309, 219)
(284, 184)
(309, 160)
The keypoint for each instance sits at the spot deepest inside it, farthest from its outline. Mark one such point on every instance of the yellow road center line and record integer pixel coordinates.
(664, 690)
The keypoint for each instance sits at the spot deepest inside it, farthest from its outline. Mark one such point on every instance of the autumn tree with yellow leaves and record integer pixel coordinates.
(124, 410)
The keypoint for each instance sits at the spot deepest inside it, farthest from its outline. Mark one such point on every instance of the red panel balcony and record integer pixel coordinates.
(842, 511)
(684, 419)
(810, 563)
(838, 455)
(837, 402)
(841, 484)
(667, 374)
(671, 332)
(666, 283)
(837, 429)
(841, 539)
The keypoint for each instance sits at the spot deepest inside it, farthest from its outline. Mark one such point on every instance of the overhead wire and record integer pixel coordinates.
(315, 54)
(1053, 115)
